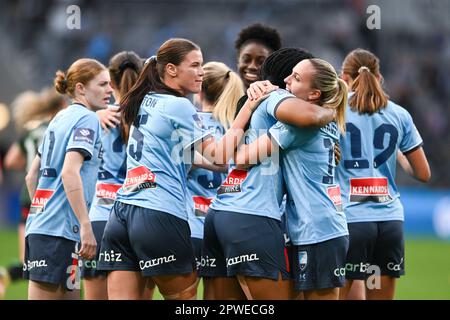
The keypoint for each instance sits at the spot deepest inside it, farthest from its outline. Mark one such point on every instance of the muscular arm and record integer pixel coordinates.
(251, 154)
(300, 113)
(219, 152)
(294, 111)
(202, 162)
(73, 187)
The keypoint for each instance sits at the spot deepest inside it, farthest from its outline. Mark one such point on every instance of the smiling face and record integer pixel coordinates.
(98, 91)
(299, 82)
(250, 59)
(188, 75)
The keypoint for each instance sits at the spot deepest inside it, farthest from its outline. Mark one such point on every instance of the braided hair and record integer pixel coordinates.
(260, 33)
(280, 63)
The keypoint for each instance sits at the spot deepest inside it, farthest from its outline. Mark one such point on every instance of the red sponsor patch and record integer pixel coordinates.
(40, 199)
(335, 195)
(107, 191)
(139, 178)
(235, 177)
(201, 205)
(369, 189)
(233, 181)
(369, 186)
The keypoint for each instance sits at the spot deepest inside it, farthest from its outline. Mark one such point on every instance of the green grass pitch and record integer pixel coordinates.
(427, 269)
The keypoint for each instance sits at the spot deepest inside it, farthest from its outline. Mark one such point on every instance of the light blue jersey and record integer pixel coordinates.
(314, 207)
(74, 129)
(258, 191)
(158, 149)
(202, 184)
(366, 173)
(111, 174)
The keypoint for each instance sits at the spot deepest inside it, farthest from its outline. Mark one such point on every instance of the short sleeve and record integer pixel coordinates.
(185, 120)
(282, 134)
(39, 150)
(411, 139)
(275, 99)
(84, 136)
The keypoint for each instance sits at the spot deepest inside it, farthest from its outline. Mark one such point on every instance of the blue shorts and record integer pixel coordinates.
(152, 242)
(375, 244)
(52, 260)
(243, 244)
(320, 265)
(89, 267)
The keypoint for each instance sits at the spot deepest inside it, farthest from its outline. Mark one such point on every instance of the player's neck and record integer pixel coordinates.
(207, 107)
(81, 100)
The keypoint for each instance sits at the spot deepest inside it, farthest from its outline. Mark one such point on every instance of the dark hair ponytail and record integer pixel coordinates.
(150, 79)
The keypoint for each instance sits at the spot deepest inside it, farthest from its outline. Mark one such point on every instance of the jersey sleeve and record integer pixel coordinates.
(282, 134)
(411, 137)
(84, 135)
(275, 99)
(187, 123)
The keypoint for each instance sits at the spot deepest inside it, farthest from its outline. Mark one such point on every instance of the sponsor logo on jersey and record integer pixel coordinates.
(233, 182)
(40, 199)
(106, 193)
(84, 135)
(139, 178)
(335, 195)
(369, 189)
(201, 205)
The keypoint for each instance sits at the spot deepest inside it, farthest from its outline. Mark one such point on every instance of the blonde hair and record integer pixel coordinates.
(32, 108)
(364, 68)
(81, 71)
(333, 90)
(223, 88)
(24, 107)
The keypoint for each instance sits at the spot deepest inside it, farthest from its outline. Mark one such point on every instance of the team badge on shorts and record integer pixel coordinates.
(302, 260)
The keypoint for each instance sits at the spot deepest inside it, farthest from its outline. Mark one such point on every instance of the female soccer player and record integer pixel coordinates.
(315, 221)
(253, 45)
(243, 233)
(147, 234)
(124, 69)
(221, 91)
(32, 113)
(376, 129)
(61, 183)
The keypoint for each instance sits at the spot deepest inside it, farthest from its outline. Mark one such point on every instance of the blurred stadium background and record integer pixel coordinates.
(413, 44)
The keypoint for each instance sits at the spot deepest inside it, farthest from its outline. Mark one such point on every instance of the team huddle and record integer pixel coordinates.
(276, 182)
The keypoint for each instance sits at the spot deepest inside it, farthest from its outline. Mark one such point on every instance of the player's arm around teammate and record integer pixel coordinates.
(307, 159)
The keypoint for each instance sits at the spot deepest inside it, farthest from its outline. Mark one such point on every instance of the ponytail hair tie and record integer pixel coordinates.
(127, 64)
(150, 59)
(361, 69)
(227, 75)
(64, 84)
